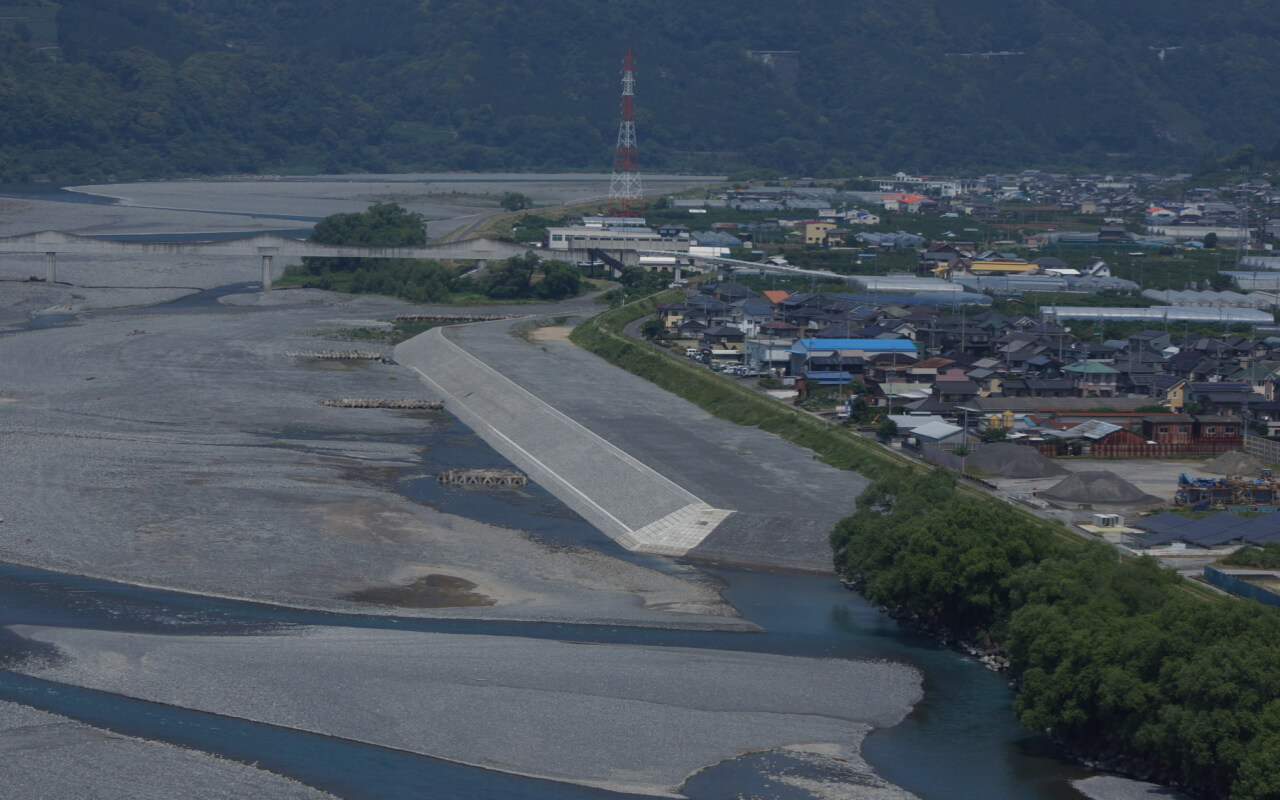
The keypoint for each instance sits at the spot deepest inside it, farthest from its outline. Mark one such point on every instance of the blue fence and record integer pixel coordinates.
(1239, 587)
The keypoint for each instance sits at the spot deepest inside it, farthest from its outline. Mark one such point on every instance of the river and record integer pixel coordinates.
(959, 742)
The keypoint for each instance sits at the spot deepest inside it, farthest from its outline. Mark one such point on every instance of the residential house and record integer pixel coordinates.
(779, 330)
(1093, 378)
(813, 231)
(724, 341)
(1222, 397)
(1040, 387)
(671, 315)
(730, 292)
(954, 387)
(708, 310)
(1168, 429)
(751, 313)
(775, 296)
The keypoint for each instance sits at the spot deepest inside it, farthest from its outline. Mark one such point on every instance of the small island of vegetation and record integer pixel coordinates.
(421, 280)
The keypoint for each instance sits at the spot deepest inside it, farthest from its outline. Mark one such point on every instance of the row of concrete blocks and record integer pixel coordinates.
(338, 355)
(486, 478)
(382, 402)
(452, 317)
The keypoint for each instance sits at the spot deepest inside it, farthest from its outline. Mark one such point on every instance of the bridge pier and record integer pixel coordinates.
(266, 272)
(51, 267)
(482, 264)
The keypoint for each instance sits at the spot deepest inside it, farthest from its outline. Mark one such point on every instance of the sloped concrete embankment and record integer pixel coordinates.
(628, 501)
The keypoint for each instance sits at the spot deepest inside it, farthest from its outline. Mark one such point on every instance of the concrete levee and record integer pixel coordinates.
(627, 500)
(649, 469)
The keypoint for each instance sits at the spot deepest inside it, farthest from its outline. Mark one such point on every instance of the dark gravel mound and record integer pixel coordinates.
(1099, 488)
(1007, 460)
(1235, 463)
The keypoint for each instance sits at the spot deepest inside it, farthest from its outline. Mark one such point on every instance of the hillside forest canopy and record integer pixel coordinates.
(118, 89)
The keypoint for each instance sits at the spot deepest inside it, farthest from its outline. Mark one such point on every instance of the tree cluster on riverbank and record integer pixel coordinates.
(421, 280)
(1117, 660)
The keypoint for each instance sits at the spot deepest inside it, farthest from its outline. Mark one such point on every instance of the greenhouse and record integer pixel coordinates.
(1174, 297)
(1221, 315)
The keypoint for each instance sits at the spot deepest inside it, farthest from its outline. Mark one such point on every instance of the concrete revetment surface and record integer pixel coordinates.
(651, 470)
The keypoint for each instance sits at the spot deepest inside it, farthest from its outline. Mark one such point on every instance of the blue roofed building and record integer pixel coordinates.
(843, 353)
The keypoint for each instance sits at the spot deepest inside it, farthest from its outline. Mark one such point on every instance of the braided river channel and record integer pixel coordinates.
(960, 741)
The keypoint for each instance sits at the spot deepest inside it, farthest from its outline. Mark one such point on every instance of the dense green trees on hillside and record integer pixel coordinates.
(1115, 660)
(153, 87)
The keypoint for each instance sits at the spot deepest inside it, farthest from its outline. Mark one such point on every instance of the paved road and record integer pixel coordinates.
(784, 501)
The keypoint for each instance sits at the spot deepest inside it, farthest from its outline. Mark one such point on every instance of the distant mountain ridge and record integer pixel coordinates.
(168, 87)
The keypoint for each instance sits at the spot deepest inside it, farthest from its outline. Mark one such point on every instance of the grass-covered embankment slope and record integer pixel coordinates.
(1116, 659)
(603, 336)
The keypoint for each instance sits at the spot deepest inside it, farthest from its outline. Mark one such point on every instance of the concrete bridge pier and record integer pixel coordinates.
(51, 267)
(267, 253)
(482, 264)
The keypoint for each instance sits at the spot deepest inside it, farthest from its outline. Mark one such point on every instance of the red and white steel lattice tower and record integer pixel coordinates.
(624, 187)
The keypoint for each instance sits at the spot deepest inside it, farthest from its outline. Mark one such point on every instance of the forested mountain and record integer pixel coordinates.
(164, 87)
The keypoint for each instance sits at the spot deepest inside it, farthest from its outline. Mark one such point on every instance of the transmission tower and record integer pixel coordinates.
(624, 187)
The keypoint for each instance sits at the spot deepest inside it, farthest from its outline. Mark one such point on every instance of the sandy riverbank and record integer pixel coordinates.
(637, 719)
(48, 757)
(183, 448)
(188, 450)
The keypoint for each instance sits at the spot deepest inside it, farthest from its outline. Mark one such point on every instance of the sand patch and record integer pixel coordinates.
(553, 333)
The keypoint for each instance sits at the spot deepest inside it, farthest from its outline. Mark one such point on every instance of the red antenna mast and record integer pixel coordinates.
(624, 187)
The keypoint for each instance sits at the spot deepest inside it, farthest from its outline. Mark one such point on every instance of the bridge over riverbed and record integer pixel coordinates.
(263, 246)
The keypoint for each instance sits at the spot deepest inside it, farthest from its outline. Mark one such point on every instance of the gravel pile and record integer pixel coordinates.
(1235, 463)
(1007, 460)
(1099, 488)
